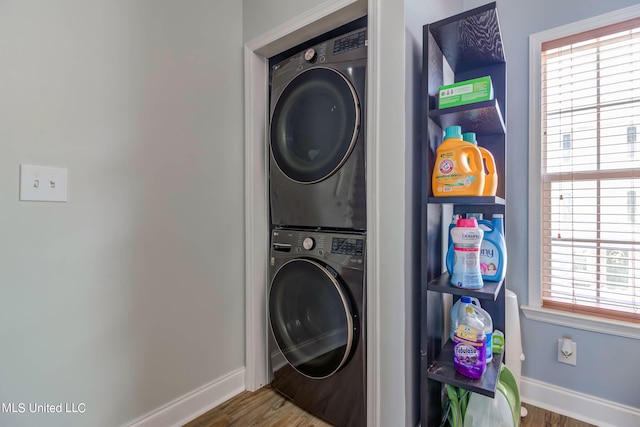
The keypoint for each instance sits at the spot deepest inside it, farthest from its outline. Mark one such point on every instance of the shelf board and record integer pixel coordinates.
(443, 370)
(485, 117)
(470, 40)
(489, 291)
(465, 200)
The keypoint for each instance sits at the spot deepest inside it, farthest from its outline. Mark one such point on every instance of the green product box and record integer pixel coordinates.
(466, 92)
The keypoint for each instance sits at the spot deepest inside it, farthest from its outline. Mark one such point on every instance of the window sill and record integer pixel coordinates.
(581, 321)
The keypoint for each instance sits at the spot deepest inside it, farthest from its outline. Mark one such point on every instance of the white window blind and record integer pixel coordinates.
(591, 172)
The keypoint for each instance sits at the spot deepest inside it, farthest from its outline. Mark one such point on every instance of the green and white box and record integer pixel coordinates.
(466, 92)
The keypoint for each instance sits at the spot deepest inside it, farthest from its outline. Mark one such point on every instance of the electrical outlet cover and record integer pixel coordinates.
(571, 360)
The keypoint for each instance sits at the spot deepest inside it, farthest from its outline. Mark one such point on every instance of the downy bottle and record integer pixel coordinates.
(467, 238)
(493, 251)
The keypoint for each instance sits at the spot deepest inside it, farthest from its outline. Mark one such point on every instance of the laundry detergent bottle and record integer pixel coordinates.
(488, 330)
(493, 250)
(461, 304)
(452, 224)
(458, 169)
(469, 345)
(450, 257)
(489, 166)
(467, 238)
(458, 309)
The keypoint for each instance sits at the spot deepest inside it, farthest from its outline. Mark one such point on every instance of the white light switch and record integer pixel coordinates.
(44, 184)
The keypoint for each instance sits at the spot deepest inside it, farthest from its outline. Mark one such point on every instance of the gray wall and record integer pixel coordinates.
(132, 293)
(594, 374)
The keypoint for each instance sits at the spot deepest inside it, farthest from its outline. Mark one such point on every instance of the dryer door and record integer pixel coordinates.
(314, 125)
(311, 318)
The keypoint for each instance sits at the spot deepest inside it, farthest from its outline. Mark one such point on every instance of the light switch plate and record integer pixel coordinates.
(43, 184)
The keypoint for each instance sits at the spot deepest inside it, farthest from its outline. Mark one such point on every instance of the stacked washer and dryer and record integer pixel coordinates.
(316, 301)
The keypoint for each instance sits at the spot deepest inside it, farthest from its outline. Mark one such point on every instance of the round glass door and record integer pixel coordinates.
(314, 125)
(311, 318)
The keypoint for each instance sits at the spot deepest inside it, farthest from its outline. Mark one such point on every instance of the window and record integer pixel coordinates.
(632, 141)
(566, 146)
(587, 168)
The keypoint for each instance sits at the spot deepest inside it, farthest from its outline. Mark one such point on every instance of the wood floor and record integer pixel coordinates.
(267, 408)
(264, 407)
(539, 417)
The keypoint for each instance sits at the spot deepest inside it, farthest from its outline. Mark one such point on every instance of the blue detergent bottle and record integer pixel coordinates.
(488, 330)
(493, 251)
(450, 254)
(454, 221)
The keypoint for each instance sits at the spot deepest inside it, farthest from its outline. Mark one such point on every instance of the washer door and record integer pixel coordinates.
(314, 125)
(311, 318)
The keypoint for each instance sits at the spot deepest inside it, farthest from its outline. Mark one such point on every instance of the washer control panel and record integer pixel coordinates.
(341, 248)
(347, 246)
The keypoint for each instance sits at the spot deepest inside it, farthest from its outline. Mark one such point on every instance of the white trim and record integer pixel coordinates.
(327, 15)
(535, 179)
(256, 218)
(581, 321)
(373, 244)
(193, 404)
(580, 406)
(314, 22)
(534, 310)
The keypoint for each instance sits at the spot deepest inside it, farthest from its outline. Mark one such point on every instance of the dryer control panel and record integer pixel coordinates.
(350, 42)
(351, 46)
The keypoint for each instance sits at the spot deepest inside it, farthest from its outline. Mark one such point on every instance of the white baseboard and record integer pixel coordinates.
(583, 407)
(193, 404)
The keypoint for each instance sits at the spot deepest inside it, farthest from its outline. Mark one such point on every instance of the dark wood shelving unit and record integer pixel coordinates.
(470, 40)
(485, 117)
(489, 291)
(442, 370)
(465, 46)
(480, 200)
